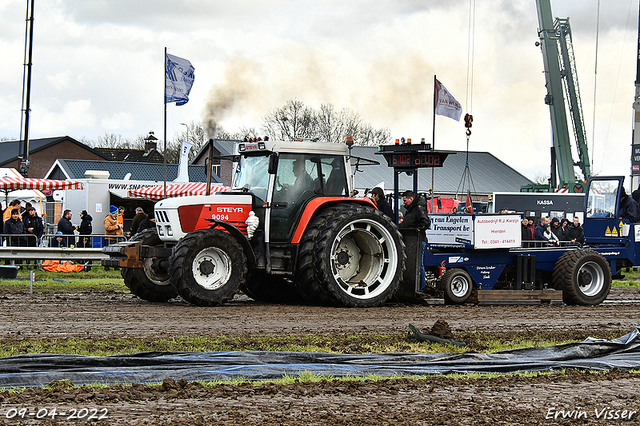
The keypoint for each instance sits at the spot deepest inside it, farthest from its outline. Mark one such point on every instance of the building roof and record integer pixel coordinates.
(75, 169)
(11, 150)
(488, 174)
(131, 155)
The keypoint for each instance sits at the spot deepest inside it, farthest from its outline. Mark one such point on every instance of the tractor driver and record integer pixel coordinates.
(302, 183)
(303, 180)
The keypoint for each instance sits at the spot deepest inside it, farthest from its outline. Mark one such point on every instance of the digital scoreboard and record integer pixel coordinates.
(412, 156)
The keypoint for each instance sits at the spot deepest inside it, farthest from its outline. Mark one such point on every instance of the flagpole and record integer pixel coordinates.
(433, 127)
(433, 137)
(164, 61)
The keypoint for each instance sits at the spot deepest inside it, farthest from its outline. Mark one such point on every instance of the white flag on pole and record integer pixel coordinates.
(446, 104)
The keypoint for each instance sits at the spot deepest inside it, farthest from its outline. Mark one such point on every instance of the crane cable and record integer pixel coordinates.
(595, 86)
(468, 118)
(470, 56)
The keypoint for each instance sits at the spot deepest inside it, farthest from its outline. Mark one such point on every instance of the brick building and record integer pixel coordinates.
(44, 152)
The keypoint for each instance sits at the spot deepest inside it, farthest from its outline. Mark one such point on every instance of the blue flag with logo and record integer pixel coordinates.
(179, 76)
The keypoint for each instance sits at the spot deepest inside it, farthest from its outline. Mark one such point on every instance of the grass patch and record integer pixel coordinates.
(97, 279)
(476, 342)
(631, 279)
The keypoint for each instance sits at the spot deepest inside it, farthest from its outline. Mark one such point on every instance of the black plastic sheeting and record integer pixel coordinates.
(153, 367)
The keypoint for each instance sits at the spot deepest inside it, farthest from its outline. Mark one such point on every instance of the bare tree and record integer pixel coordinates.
(292, 122)
(295, 121)
(111, 140)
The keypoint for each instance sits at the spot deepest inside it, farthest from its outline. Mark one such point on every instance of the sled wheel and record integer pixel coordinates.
(584, 277)
(360, 257)
(207, 267)
(457, 286)
(149, 283)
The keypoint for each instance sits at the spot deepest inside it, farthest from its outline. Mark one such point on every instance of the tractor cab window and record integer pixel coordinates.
(296, 179)
(252, 175)
(334, 177)
(603, 197)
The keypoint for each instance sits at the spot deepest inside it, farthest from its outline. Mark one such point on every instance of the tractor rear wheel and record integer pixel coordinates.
(149, 283)
(207, 267)
(457, 286)
(307, 281)
(359, 257)
(584, 277)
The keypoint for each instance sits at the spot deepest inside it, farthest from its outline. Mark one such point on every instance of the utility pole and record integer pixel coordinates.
(24, 159)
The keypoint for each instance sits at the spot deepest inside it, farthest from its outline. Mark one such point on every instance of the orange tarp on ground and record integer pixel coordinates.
(66, 266)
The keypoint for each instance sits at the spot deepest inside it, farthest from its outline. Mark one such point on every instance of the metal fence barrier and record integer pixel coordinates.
(19, 253)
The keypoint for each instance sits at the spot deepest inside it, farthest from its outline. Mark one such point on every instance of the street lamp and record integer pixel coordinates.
(187, 130)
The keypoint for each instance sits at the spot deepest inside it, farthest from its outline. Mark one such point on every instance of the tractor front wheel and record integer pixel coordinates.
(149, 283)
(207, 267)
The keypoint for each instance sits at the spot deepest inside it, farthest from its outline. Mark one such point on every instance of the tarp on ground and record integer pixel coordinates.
(153, 367)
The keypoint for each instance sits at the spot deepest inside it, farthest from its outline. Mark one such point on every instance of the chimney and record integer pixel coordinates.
(150, 143)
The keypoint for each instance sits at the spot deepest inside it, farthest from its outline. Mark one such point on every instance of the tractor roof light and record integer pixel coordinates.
(349, 141)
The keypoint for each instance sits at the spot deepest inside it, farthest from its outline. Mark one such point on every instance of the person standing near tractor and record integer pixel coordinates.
(416, 217)
(377, 195)
(139, 217)
(111, 225)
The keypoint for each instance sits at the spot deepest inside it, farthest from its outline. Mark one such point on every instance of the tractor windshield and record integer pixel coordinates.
(252, 175)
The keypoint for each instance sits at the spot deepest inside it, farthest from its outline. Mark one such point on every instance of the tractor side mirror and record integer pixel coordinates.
(273, 163)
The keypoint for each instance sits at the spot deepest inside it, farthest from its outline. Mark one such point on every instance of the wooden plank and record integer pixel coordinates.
(519, 295)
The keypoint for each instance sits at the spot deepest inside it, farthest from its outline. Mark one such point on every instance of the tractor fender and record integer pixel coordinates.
(240, 238)
(317, 203)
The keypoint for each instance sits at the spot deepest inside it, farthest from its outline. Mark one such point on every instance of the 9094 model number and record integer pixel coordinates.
(224, 217)
(53, 413)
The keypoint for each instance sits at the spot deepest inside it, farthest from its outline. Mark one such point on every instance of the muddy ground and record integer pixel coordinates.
(573, 398)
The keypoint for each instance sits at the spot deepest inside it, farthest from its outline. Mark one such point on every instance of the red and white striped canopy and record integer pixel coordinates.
(176, 190)
(15, 183)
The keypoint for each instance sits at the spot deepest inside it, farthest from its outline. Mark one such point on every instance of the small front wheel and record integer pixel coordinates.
(457, 286)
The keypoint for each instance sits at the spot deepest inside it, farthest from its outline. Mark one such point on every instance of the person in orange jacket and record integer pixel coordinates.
(111, 225)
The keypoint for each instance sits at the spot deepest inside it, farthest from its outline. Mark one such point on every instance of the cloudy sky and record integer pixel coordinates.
(98, 68)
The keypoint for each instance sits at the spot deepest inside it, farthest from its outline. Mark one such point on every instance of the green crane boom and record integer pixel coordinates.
(562, 92)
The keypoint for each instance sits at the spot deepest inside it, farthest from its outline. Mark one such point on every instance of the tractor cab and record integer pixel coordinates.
(603, 223)
(284, 176)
